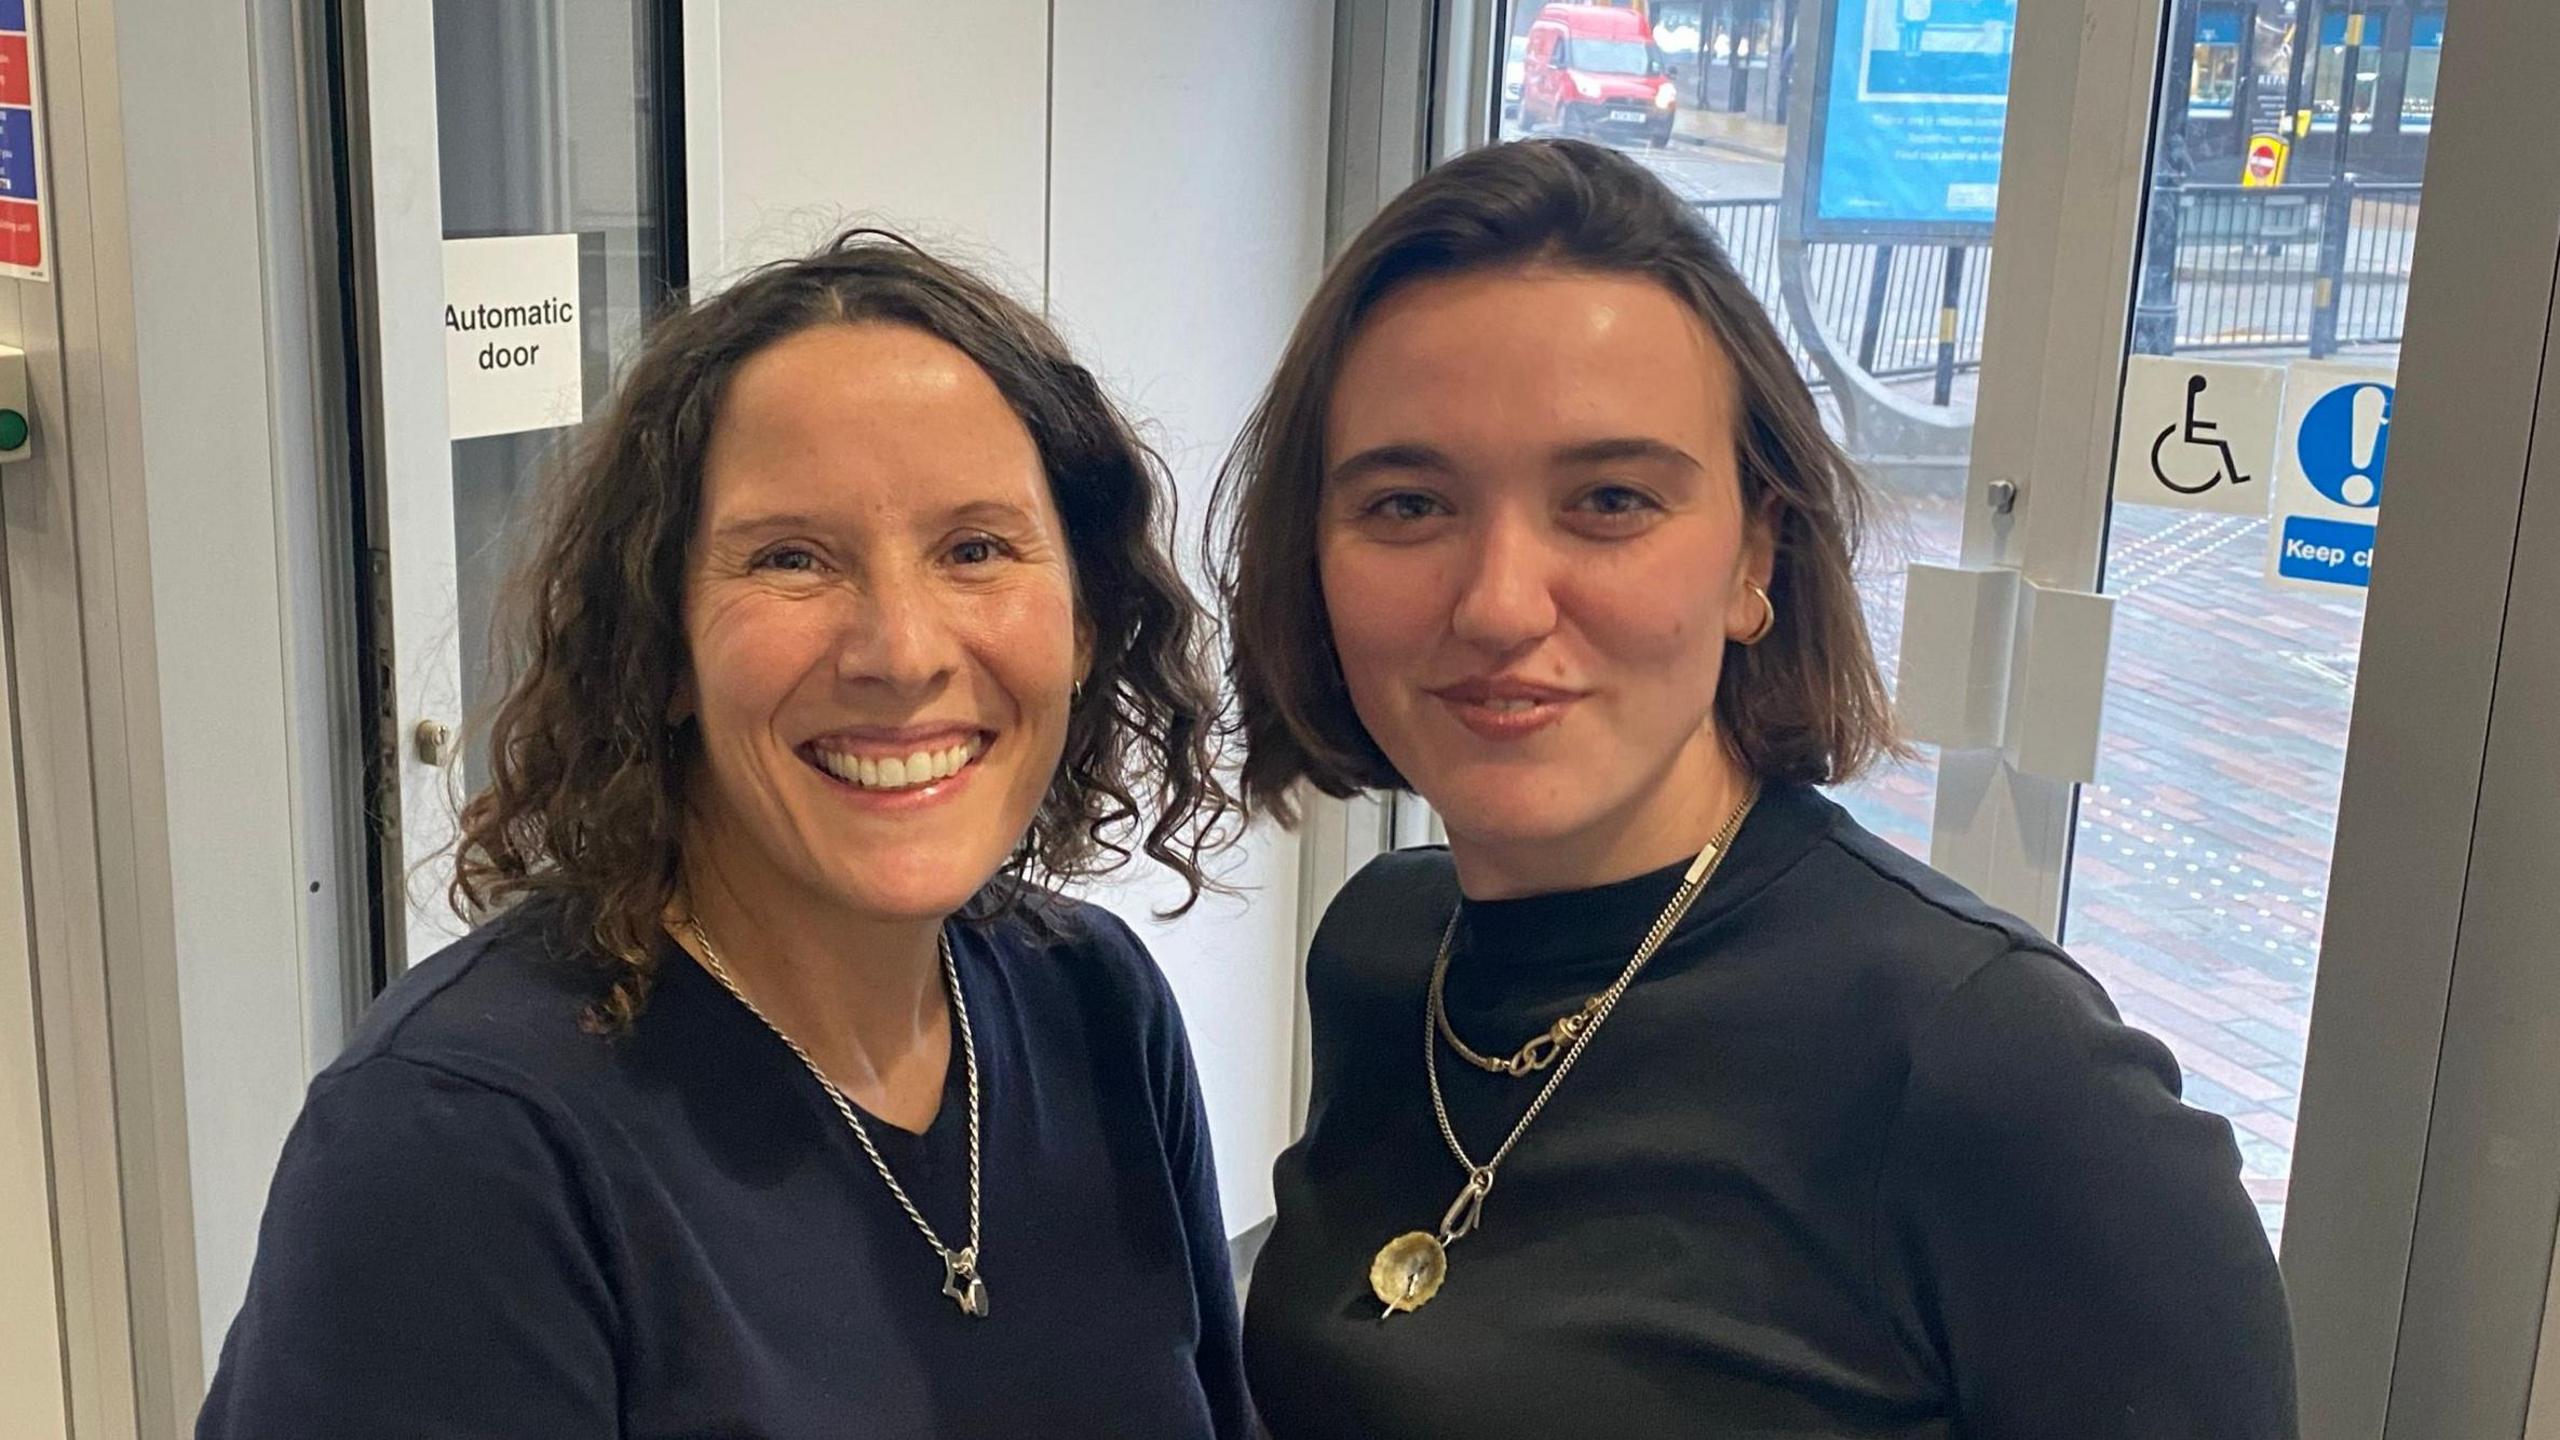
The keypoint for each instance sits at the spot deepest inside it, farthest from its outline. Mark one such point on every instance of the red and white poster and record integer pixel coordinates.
(26, 241)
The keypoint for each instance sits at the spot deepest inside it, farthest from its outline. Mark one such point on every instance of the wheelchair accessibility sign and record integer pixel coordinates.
(2328, 483)
(2198, 434)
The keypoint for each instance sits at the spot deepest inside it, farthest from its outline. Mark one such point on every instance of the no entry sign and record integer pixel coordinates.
(2264, 164)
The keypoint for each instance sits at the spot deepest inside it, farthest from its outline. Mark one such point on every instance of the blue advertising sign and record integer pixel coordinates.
(1914, 99)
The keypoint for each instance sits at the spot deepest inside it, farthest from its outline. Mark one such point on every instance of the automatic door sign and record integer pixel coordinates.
(2198, 434)
(513, 359)
(2337, 434)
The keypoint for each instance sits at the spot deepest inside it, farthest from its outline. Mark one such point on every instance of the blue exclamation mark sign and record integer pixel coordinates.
(2344, 444)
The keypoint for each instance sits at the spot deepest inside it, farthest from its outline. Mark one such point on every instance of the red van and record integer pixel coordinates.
(1592, 70)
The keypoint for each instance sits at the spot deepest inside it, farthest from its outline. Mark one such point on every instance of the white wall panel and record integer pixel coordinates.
(1187, 227)
(932, 119)
(199, 398)
(1152, 170)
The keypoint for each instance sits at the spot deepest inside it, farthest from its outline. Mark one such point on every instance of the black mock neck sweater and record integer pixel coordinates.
(1857, 1155)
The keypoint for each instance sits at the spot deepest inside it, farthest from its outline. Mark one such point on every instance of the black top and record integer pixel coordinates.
(489, 1222)
(1857, 1155)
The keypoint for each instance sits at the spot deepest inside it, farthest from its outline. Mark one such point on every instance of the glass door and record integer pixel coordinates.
(2105, 301)
(1780, 122)
(2254, 425)
(520, 205)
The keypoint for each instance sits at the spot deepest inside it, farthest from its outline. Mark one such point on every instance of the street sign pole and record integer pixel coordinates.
(2349, 62)
(2155, 312)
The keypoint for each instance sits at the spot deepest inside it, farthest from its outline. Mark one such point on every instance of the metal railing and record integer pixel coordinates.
(2310, 268)
(2314, 267)
(1884, 300)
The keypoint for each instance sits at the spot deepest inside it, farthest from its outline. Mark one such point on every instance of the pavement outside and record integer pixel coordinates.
(1743, 135)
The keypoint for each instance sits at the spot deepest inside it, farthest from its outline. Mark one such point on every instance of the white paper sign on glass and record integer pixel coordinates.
(513, 361)
(2198, 434)
(2330, 455)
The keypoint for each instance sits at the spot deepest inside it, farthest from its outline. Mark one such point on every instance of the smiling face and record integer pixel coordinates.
(881, 623)
(1533, 549)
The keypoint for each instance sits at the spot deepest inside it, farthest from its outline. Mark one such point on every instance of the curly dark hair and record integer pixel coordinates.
(585, 800)
(1806, 704)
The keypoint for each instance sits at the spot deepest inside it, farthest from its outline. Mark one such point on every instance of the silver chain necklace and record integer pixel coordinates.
(960, 1278)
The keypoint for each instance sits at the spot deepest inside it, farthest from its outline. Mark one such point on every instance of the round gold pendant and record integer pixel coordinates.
(1408, 1271)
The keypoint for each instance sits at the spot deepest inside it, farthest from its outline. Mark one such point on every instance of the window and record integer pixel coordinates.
(2214, 83)
(1887, 315)
(1612, 57)
(2426, 52)
(2328, 87)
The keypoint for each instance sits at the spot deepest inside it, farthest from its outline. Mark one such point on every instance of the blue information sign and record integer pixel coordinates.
(17, 153)
(1913, 103)
(2345, 442)
(2328, 492)
(2333, 552)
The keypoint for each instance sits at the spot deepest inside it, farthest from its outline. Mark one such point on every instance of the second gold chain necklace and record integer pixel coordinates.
(1411, 1268)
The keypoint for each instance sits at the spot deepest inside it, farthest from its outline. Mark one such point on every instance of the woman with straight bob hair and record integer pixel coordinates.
(1726, 1117)
(777, 1097)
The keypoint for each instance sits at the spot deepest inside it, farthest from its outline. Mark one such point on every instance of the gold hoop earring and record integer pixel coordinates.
(1768, 615)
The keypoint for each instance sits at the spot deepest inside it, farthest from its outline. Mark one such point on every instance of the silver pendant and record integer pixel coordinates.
(960, 1281)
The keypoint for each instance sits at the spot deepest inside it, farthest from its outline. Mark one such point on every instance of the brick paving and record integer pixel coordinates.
(2200, 866)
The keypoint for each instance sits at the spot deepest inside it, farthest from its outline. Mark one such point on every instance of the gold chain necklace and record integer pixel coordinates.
(1538, 1054)
(1410, 1269)
(960, 1279)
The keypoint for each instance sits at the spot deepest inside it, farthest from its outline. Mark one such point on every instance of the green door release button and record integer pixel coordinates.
(13, 429)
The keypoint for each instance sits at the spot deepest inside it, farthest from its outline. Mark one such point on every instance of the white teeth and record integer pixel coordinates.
(1508, 706)
(924, 767)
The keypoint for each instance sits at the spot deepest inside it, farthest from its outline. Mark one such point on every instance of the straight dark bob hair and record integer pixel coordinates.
(585, 802)
(1804, 704)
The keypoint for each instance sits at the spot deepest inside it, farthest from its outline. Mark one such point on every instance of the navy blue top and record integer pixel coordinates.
(491, 1222)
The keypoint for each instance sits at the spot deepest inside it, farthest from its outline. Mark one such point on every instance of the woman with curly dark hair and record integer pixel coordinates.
(775, 1095)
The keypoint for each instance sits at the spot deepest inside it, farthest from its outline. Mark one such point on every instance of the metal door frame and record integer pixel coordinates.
(385, 139)
(2427, 1176)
